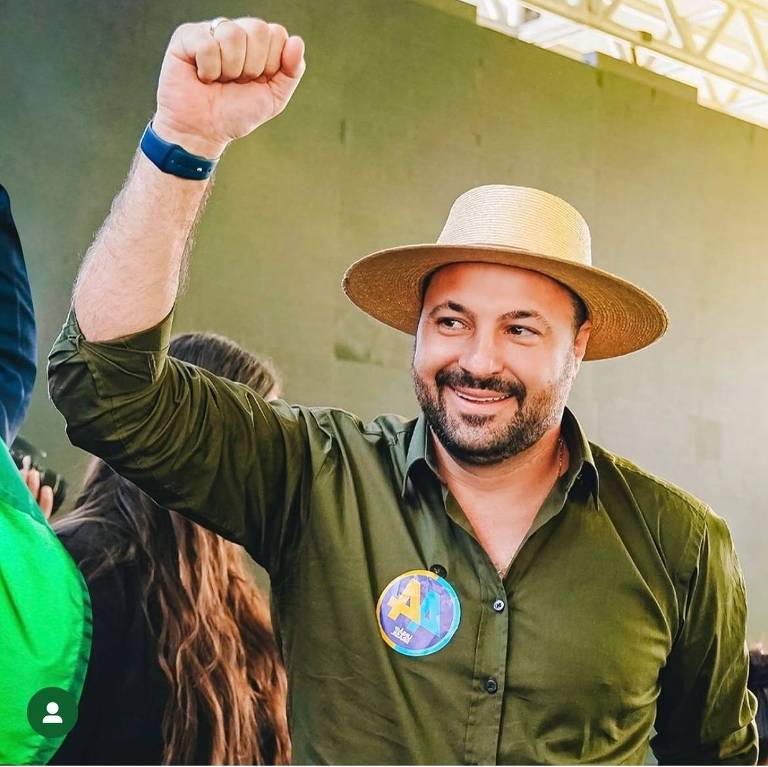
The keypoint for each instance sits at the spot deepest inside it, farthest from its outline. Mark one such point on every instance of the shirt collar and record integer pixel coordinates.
(421, 450)
(581, 453)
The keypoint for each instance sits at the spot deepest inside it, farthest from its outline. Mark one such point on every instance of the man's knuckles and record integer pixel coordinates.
(208, 60)
(257, 30)
(257, 37)
(232, 41)
(278, 36)
(243, 49)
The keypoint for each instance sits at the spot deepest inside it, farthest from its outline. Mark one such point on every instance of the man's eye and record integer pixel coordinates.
(451, 323)
(520, 331)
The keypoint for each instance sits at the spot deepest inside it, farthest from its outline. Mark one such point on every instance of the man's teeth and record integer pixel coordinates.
(481, 399)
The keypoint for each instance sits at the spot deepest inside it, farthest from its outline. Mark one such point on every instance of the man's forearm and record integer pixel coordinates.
(131, 274)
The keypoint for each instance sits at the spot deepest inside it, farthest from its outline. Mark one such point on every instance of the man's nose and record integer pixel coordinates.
(482, 356)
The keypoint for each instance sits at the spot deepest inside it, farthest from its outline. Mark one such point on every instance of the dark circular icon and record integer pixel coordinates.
(52, 712)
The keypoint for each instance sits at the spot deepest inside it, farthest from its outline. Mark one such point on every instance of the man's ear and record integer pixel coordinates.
(581, 340)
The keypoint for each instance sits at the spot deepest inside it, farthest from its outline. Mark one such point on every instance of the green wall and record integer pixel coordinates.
(402, 108)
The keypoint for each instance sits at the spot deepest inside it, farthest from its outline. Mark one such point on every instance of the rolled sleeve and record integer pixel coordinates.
(199, 444)
(705, 712)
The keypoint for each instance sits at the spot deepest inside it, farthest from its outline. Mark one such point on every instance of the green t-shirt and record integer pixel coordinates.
(45, 619)
(623, 609)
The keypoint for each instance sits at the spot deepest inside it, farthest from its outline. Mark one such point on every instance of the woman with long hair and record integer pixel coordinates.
(184, 668)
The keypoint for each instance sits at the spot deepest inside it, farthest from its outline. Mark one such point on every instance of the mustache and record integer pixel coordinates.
(463, 379)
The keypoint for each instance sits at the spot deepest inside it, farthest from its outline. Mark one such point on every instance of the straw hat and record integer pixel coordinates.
(515, 226)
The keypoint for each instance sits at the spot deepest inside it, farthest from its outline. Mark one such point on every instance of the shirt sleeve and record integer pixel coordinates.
(18, 348)
(201, 445)
(705, 713)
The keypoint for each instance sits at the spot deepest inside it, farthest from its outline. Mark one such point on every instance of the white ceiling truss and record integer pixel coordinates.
(720, 47)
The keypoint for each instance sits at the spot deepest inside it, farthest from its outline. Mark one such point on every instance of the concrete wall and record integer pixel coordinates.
(402, 108)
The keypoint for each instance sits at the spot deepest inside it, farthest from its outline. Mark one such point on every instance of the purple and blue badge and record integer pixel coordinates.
(418, 613)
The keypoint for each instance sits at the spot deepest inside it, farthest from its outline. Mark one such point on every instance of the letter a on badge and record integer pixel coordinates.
(407, 602)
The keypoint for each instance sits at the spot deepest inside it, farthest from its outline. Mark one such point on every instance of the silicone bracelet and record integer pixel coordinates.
(174, 159)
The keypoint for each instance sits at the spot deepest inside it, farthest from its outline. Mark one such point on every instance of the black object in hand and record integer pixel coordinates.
(20, 448)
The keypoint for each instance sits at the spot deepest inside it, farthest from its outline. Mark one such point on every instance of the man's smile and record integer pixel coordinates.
(478, 398)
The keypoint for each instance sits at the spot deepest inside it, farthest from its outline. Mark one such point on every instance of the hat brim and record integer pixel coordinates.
(388, 285)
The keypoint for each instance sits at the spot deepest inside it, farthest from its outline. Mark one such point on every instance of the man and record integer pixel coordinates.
(479, 585)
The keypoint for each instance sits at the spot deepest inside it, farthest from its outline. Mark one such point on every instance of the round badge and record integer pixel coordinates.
(418, 613)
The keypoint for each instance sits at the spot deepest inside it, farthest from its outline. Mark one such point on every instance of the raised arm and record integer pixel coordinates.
(18, 346)
(216, 85)
(198, 444)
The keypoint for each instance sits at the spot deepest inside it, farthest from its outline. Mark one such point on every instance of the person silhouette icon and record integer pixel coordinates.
(53, 714)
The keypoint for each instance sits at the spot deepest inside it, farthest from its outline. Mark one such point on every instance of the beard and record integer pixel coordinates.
(486, 439)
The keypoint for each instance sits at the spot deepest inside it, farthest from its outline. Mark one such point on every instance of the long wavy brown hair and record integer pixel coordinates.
(214, 637)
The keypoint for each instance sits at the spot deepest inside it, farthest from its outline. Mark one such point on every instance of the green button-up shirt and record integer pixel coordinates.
(623, 609)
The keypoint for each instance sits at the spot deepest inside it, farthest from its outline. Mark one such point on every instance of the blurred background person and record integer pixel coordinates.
(184, 668)
(18, 347)
(18, 353)
(758, 684)
(44, 606)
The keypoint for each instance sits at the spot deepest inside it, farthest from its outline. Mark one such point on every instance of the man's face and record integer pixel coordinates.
(496, 354)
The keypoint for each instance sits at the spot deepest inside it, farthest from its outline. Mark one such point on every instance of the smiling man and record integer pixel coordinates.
(492, 383)
(478, 585)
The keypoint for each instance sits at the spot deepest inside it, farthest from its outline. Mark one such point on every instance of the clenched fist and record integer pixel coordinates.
(219, 81)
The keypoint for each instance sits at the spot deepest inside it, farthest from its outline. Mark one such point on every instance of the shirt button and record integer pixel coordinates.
(439, 571)
(499, 605)
(491, 686)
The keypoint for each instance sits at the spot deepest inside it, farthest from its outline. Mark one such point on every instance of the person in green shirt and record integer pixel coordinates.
(45, 610)
(45, 625)
(478, 585)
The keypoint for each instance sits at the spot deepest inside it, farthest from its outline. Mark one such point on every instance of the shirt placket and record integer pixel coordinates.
(489, 669)
(484, 735)
(484, 723)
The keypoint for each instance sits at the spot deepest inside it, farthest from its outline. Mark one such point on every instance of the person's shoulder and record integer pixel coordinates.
(676, 519)
(114, 584)
(383, 441)
(87, 539)
(660, 492)
(388, 427)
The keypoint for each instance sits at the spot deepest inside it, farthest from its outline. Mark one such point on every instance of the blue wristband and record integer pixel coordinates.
(173, 159)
